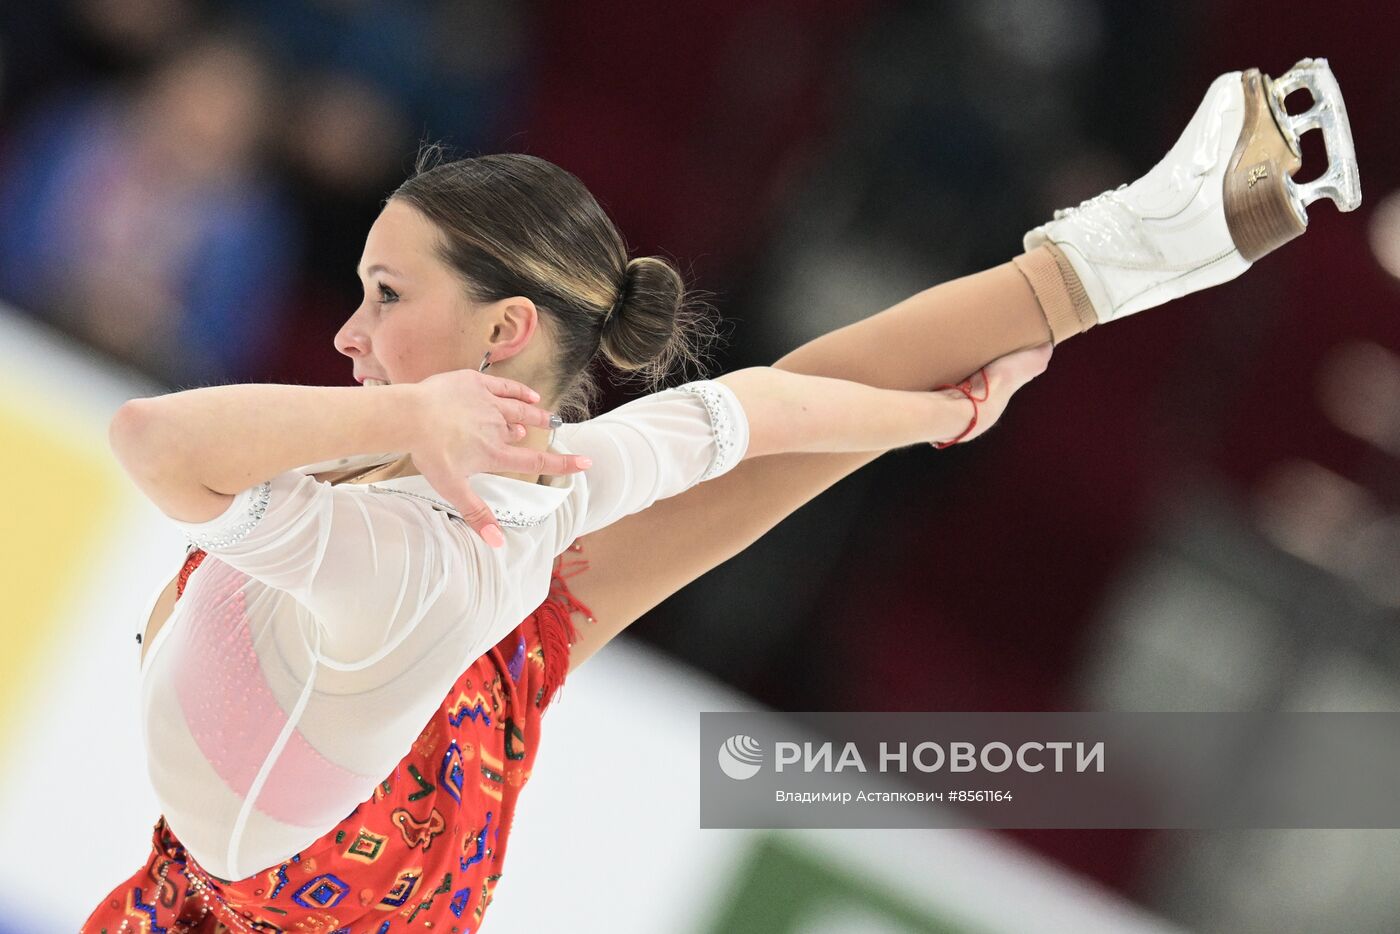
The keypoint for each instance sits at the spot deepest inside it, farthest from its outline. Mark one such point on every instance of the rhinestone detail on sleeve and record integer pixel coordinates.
(256, 509)
(506, 518)
(515, 519)
(726, 450)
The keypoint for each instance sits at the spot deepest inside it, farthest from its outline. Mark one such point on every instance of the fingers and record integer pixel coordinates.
(1034, 361)
(524, 460)
(510, 389)
(476, 513)
(522, 414)
(994, 385)
(1025, 365)
(1010, 372)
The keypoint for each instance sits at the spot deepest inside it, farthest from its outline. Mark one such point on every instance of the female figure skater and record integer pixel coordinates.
(320, 627)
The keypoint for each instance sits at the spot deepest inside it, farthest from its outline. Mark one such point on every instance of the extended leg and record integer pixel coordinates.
(1221, 198)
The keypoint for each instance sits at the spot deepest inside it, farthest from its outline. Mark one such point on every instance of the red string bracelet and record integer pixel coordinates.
(965, 387)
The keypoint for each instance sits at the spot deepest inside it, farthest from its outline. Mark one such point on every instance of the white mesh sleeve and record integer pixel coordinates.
(654, 447)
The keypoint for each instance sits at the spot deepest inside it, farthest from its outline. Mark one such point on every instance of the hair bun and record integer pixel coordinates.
(639, 331)
(623, 291)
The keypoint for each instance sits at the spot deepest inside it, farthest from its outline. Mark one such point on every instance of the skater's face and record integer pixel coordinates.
(416, 318)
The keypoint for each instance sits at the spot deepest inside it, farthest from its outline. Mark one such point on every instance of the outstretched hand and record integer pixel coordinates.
(990, 389)
(469, 423)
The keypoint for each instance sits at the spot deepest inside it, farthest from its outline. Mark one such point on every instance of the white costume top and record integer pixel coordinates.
(328, 621)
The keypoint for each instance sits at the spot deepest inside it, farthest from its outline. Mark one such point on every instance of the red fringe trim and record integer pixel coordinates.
(554, 619)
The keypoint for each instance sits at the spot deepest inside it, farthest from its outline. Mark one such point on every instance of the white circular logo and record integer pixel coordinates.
(740, 757)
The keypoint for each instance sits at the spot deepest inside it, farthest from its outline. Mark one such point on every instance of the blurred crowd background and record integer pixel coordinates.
(1195, 509)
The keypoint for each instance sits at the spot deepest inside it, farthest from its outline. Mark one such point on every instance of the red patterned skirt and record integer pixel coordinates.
(423, 852)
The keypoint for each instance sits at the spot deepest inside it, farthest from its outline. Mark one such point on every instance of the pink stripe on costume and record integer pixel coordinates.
(228, 707)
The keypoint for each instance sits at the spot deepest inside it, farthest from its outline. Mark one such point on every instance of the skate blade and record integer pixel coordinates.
(1264, 207)
(1328, 113)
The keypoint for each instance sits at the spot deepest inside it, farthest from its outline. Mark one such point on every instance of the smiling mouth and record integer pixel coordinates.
(370, 381)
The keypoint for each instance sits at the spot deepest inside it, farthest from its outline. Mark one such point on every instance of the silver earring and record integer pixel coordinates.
(485, 362)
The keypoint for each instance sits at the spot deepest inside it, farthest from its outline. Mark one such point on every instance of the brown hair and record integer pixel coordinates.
(514, 224)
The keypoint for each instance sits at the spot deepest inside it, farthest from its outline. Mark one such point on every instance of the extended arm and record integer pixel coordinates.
(792, 413)
(371, 568)
(936, 336)
(788, 412)
(190, 452)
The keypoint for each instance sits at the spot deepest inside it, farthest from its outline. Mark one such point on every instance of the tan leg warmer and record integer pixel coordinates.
(1061, 295)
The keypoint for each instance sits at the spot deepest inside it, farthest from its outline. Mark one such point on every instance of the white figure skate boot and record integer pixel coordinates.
(1219, 200)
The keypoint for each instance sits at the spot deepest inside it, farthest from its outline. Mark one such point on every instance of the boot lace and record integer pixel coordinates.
(1107, 196)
